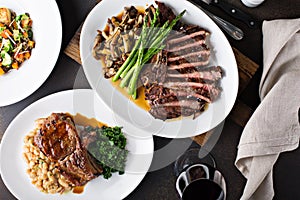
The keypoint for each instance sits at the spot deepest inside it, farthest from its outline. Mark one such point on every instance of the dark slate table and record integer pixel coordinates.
(159, 184)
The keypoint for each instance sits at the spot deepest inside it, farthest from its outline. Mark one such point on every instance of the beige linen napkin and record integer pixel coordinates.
(274, 126)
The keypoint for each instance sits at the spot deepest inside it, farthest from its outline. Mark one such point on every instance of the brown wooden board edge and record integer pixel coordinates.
(73, 49)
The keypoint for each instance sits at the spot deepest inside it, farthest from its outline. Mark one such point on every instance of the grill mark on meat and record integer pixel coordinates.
(188, 50)
(185, 43)
(159, 95)
(188, 95)
(206, 75)
(188, 65)
(186, 37)
(182, 103)
(188, 84)
(202, 69)
(191, 59)
(194, 44)
(199, 54)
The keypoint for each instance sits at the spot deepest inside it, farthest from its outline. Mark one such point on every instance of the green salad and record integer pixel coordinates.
(16, 39)
(109, 149)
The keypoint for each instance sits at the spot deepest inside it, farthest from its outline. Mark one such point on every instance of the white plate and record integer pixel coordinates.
(85, 102)
(47, 33)
(222, 55)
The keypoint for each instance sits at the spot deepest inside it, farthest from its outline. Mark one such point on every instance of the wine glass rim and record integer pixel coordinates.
(207, 153)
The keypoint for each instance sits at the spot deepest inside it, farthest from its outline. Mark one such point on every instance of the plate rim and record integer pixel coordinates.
(229, 50)
(51, 96)
(54, 60)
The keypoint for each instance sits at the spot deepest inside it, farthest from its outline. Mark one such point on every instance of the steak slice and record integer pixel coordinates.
(166, 13)
(188, 49)
(170, 112)
(59, 140)
(214, 74)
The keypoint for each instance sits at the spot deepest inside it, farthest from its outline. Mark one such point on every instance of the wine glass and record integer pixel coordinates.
(197, 176)
(192, 156)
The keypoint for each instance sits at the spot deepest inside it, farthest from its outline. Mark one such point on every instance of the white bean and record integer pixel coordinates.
(63, 183)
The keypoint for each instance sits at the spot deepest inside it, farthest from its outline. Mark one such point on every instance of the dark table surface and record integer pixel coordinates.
(159, 184)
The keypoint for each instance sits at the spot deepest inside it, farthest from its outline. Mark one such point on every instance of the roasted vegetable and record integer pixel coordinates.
(6, 58)
(5, 16)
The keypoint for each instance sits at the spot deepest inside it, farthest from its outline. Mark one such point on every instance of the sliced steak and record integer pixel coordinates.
(186, 51)
(58, 139)
(179, 81)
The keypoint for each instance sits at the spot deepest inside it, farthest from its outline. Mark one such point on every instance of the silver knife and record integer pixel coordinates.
(234, 12)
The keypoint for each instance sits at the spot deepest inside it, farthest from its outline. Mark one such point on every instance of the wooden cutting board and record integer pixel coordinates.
(240, 113)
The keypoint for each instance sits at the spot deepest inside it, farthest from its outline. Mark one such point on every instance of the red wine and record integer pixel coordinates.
(203, 189)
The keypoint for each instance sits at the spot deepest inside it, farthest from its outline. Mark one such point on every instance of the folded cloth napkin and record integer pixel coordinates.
(274, 126)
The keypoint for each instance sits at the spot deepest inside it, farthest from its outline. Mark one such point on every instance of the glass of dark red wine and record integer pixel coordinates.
(197, 176)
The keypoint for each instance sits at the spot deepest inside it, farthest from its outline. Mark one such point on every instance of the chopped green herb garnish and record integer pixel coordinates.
(109, 149)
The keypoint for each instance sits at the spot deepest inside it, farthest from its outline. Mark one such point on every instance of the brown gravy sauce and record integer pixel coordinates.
(78, 189)
(82, 120)
(140, 101)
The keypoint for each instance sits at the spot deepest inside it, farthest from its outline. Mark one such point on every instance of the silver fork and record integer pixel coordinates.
(232, 30)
